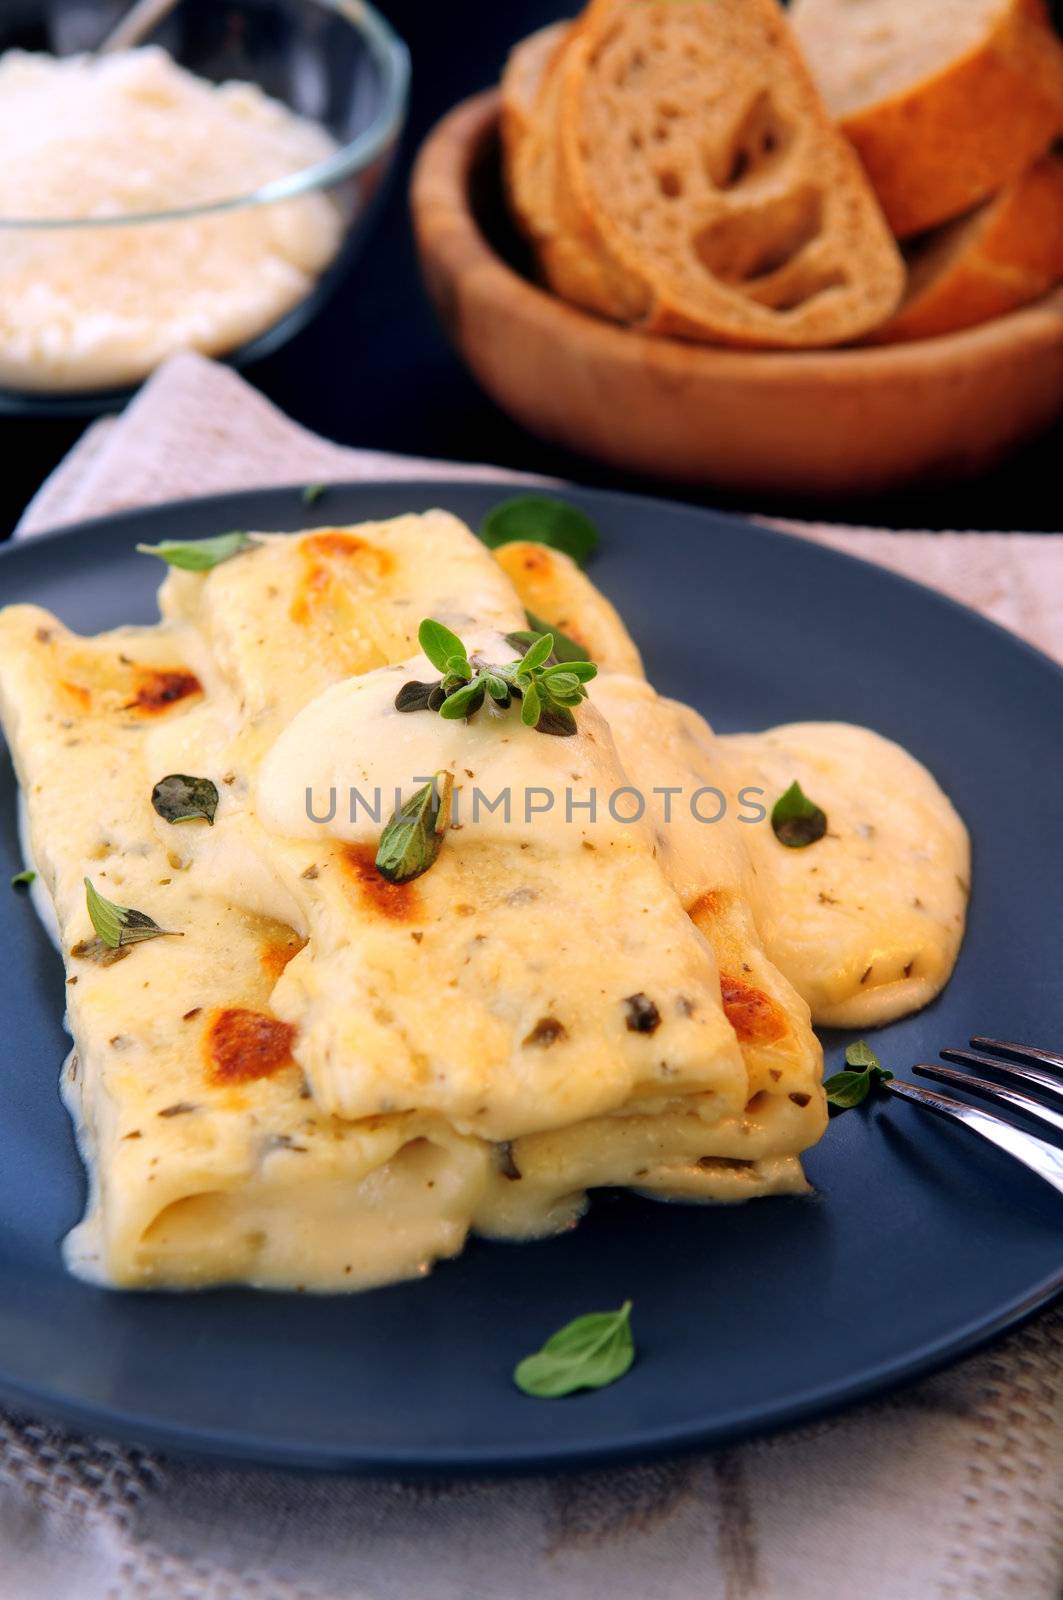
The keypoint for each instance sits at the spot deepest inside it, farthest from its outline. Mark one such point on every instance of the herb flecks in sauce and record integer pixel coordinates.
(642, 1014)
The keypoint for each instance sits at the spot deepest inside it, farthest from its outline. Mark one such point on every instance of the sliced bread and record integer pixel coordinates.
(699, 169)
(945, 102)
(1006, 254)
(522, 84)
(529, 129)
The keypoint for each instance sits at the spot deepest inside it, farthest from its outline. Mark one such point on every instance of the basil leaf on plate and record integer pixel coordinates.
(199, 555)
(796, 820)
(588, 1353)
(542, 520)
(179, 798)
(23, 879)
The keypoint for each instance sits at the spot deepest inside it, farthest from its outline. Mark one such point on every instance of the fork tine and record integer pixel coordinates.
(1035, 1076)
(1019, 1052)
(995, 1092)
(1036, 1154)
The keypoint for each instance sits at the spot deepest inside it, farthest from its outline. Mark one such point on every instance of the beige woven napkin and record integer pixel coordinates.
(952, 1490)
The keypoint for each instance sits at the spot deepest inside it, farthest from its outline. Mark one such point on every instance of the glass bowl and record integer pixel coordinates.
(336, 63)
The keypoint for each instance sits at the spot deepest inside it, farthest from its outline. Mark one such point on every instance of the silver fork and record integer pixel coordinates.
(1015, 1064)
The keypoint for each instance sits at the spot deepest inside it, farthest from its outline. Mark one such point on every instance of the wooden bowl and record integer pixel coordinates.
(827, 422)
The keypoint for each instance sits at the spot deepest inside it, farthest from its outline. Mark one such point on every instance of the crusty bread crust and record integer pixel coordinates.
(1008, 254)
(522, 86)
(944, 144)
(751, 225)
(570, 262)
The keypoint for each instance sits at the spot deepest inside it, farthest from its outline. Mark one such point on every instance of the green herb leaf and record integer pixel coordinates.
(562, 683)
(464, 702)
(536, 655)
(412, 839)
(439, 644)
(179, 798)
(313, 492)
(582, 671)
(565, 648)
(557, 720)
(796, 820)
(530, 706)
(200, 555)
(547, 692)
(118, 925)
(588, 1353)
(416, 696)
(542, 520)
(23, 879)
(521, 639)
(95, 950)
(848, 1089)
(861, 1055)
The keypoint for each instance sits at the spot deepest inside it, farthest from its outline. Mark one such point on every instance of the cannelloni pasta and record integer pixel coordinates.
(299, 1071)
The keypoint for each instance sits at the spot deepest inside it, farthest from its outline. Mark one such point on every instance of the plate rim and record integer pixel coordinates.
(259, 1451)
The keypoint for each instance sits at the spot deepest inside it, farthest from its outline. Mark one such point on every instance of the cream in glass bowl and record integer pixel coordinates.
(147, 208)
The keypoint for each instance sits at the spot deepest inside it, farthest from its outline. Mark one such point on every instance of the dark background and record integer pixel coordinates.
(375, 370)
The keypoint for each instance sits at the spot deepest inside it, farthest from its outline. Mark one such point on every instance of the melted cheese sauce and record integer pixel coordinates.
(866, 923)
(337, 768)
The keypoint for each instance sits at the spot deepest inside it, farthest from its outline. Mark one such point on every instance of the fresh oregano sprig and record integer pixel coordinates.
(548, 689)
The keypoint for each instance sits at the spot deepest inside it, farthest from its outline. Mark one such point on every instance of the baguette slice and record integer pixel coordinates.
(698, 166)
(523, 81)
(1005, 255)
(945, 102)
(574, 268)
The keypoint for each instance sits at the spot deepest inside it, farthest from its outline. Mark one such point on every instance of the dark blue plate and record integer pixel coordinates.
(919, 1243)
